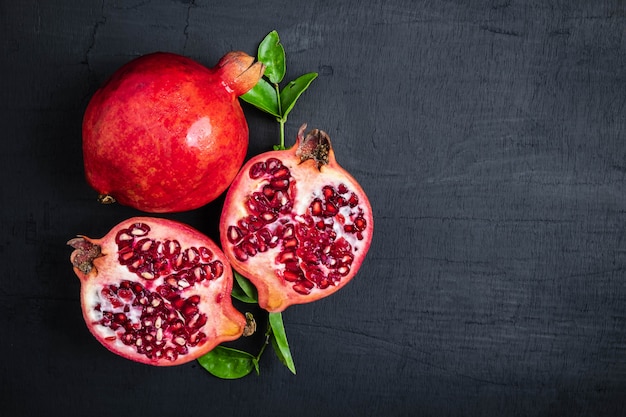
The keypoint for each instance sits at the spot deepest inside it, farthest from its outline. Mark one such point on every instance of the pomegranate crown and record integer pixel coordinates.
(315, 145)
(239, 71)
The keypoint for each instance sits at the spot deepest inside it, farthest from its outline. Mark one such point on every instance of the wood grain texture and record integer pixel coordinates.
(491, 138)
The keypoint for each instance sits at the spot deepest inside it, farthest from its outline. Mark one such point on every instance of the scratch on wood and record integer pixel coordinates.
(92, 43)
(500, 31)
(191, 4)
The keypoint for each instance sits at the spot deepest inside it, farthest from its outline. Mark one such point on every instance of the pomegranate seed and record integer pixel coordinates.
(128, 338)
(125, 255)
(178, 304)
(286, 256)
(290, 243)
(255, 223)
(316, 207)
(353, 200)
(292, 276)
(331, 210)
(240, 254)
(144, 245)
(199, 273)
(257, 170)
(343, 270)
(323, 283)
(264, 235)
(292, 266)
(288, 231)
(249, 248)
(125, 294)
(171, 354)
(199, 322)
(310, 258)
(123, 236)
(282, 173)
(273, 164)
(137, 288)
(268, 192)
(273, 242)
(139, 229)
(217, 269)
(269, 217)
(347, 259)
(191, 257)
(360, 224)
(303, 288)
(234, 234)
(279, 184)
(171, 248)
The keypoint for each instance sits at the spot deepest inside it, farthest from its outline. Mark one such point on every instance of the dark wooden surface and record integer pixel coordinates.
(490, 137)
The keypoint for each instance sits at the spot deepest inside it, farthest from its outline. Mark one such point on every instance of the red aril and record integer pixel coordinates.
(296, 224)
(166, 134)
(156, 291)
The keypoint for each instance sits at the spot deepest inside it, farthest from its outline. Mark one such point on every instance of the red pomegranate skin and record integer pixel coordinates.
(166, 134)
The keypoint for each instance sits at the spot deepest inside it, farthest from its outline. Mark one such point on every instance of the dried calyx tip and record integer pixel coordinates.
(106, 199)
(315, 145)
(84, 254)
(250, 328)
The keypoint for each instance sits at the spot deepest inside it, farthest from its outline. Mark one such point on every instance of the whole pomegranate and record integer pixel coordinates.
(295, 223)
(166, 134)
(156, 291)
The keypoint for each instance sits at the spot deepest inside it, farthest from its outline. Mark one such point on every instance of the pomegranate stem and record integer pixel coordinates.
(282, 119)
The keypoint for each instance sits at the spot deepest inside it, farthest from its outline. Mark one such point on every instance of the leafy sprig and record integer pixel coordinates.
(267, 95)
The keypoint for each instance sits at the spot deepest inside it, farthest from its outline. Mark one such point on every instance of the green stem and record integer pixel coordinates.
(281, 119)
(267, 342)
(282, 133)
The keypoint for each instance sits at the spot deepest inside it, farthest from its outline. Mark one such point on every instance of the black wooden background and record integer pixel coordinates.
(490, 136)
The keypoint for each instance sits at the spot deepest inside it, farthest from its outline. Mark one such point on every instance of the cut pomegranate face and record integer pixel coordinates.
(156, 291)
(296, 224)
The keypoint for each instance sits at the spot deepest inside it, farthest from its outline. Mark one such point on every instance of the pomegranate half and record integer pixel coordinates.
(166, 134)
(156, 291)
(296, 224)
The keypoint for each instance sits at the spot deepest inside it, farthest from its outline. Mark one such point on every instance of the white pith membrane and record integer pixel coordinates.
(158, 325)
(326, 261)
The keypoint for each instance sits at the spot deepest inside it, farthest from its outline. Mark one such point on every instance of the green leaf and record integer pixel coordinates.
(239, 294)
(290, 93)
(279, 341)
(264, 97)
(246, 291)
(228, 363)
(272, 54)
